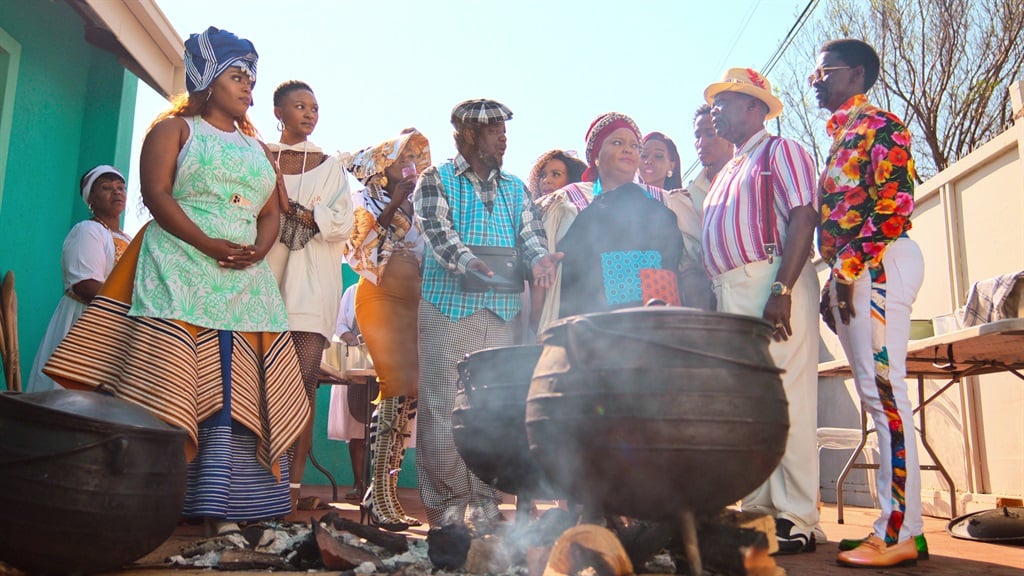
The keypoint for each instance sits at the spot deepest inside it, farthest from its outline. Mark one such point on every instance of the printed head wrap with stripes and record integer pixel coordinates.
(213, 51)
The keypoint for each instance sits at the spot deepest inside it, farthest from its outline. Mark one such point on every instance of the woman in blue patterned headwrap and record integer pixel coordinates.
(191, 319)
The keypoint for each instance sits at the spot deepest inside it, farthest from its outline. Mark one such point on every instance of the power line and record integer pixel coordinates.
(739, 33)
(790, 36)
(776, 56)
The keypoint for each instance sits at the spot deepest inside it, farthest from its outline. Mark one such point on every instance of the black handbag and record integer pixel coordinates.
(509, 275)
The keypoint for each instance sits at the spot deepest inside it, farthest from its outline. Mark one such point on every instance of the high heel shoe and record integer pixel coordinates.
(369, 516)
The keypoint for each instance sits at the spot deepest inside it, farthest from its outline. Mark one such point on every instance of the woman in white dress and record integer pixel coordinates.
(90, 250)
(307, 259)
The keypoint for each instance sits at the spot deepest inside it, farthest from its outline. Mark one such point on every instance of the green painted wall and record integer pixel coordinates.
(73, 108)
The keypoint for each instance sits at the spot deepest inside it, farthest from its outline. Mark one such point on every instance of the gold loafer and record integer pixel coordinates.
(873, 553)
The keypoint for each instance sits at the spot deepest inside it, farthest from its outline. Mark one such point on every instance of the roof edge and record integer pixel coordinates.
(147, 39)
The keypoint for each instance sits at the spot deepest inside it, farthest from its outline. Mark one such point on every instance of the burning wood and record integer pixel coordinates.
(588, 549)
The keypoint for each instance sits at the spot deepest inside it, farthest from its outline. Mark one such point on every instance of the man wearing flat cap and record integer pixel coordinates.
(759, 222)
(464, 204)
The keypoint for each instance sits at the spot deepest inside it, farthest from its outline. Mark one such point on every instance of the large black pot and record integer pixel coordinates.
(647, 412)
(87, 482)
(488, 419)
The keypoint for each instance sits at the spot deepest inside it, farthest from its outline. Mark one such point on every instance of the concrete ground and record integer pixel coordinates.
(949, 555)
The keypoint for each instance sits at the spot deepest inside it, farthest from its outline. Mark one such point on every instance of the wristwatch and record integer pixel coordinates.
(780, 289)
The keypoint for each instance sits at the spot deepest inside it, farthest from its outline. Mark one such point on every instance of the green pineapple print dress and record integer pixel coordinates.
(222, 182)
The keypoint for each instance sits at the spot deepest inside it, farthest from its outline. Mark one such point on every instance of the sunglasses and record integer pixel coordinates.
(821, 72)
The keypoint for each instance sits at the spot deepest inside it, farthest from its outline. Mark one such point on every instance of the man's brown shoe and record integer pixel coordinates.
(873, 553)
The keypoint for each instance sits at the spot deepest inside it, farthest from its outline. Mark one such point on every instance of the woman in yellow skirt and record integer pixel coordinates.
(386, 249)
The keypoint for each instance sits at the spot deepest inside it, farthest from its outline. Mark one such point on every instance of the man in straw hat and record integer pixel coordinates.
(466, 203)
(759, 222)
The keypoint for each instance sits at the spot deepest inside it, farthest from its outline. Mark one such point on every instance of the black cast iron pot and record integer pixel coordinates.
(87, 482)
(488, 419)
(649, 412)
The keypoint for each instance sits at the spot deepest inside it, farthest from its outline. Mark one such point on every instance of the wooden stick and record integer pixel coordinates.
(12, 361)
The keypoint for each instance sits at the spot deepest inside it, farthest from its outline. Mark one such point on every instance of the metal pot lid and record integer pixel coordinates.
(92, 406)
(1003, 525)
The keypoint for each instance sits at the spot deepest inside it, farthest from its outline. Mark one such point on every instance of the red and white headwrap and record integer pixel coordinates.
(92, 175)
(599, 129)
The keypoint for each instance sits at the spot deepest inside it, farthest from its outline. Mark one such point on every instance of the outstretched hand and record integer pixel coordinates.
(545, 268)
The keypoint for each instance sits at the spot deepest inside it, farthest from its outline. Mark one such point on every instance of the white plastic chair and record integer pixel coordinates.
(850, 439)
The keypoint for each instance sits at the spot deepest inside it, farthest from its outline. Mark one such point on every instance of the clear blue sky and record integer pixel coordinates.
(377, 67)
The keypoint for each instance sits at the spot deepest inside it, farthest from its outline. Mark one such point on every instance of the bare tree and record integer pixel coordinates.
(946, 69)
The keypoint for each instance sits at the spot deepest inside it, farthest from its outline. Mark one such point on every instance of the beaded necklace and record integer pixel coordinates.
(120, 239)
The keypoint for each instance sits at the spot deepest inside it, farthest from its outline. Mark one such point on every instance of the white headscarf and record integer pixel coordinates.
(92, 175)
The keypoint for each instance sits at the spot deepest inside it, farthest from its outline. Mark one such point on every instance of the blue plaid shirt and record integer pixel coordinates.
(455, 207)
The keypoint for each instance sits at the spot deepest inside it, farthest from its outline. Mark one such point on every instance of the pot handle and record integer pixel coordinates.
(119, 452)
(577, 332)
(461, 385)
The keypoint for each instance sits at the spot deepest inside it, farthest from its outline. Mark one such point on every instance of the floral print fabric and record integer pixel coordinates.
(867, 193)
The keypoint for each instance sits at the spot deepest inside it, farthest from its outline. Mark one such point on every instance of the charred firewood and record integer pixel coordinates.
(641, 539)
(589, 549)
(337, 555)
(395, 543)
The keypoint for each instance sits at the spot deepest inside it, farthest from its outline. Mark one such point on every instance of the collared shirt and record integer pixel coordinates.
(446, 244)
(867, 192)
(733, 230)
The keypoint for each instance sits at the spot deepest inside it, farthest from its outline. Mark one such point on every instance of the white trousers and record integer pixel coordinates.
(886, 321)
(791, 492)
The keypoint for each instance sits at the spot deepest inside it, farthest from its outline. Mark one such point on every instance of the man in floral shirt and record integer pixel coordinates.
(867, 198)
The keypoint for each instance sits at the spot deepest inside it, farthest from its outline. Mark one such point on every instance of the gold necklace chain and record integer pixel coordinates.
(104, 224)
(840, 134)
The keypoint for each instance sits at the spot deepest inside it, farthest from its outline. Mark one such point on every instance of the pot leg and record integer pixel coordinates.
(689, 531)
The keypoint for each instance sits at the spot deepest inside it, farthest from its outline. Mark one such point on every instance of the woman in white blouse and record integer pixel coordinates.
(90, 250)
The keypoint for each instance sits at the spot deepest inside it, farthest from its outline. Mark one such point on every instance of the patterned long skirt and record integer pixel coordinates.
(238, 394)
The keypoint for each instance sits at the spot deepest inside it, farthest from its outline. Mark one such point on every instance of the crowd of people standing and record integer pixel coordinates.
(232, 292)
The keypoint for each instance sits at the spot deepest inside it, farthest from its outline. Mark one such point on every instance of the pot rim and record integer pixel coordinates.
(661, 311)
(25, 408)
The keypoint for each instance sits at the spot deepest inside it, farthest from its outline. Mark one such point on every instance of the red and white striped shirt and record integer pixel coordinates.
(732, 233)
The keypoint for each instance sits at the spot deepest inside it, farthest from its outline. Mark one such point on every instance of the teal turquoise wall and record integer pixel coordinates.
(73, 108)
